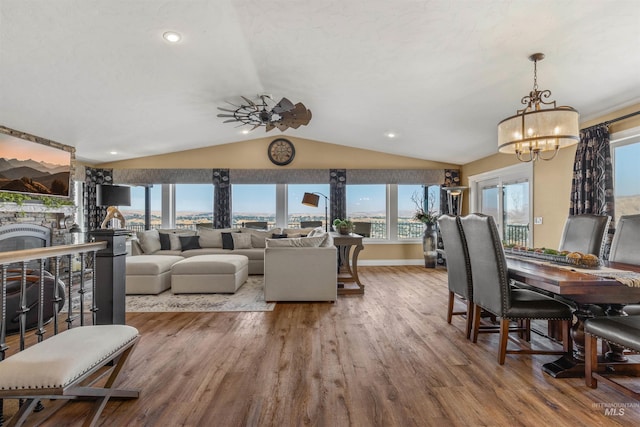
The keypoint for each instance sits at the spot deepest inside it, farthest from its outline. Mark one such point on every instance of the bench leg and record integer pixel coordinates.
(25, 410)
(590, 360)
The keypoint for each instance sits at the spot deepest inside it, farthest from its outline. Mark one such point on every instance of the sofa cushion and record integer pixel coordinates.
(258, 237)
(150, 264)
(212, 238)
(241, 240)
(300, 242)
(303, 231)
(227, 241)
(149, 241)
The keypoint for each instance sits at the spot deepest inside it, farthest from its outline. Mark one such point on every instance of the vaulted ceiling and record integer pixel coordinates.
(440, 74)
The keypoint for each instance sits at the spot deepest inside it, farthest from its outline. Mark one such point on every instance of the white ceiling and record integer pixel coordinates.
(97, 75)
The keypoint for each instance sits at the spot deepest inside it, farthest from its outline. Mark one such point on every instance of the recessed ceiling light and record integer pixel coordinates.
(390, 134)
(172, 37)
(245, 131)
(113, 153)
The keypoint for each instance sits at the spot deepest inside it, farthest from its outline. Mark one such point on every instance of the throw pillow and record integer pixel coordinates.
(227, 241)
(165, 242)
(149, 241)
(298, 242)
(258, 236)
(189, 242)
(241, 240)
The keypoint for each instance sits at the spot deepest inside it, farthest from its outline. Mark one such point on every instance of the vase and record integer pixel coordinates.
(429, 243)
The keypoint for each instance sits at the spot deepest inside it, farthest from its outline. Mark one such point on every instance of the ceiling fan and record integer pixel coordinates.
(282, 115)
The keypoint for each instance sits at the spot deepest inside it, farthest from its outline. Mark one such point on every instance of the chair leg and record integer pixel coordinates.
(477, 317)
(590, 360)
(470, 312)
(450, 308)
(527, 331)
(504, 336)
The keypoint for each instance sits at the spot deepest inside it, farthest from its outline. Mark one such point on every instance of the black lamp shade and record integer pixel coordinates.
(310, 199)
(113, 195)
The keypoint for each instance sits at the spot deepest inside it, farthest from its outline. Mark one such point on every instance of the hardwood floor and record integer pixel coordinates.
(387, 358)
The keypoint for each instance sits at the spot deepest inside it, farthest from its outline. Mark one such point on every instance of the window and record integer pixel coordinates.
(194, 205)
(368, 203)
(506, 195)
(134, 214)
(625, 147)
(253, 202)
(297, 212)
(409, 228)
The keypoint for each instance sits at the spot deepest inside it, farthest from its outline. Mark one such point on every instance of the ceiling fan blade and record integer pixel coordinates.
(282, 106)
(226, 115)
(229, 121)
(255, 126)
(226, 109)
(269, 127)
(250, 102)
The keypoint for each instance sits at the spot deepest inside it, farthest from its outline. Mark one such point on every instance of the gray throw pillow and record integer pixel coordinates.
(149, 241)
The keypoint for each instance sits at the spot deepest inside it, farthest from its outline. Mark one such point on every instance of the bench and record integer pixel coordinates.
(623, 331)
(67, 366)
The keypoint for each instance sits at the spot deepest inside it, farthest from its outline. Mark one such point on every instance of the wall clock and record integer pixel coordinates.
(281, 151)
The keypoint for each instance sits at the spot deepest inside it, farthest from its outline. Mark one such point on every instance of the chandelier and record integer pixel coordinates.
(534, 129)
(282, 115)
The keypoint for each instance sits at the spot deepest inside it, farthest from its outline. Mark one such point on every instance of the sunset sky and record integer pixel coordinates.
(15, 148)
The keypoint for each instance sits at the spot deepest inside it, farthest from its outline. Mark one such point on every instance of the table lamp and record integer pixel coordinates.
(113, 196)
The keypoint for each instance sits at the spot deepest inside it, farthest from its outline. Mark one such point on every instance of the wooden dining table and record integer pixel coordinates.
(589, 293)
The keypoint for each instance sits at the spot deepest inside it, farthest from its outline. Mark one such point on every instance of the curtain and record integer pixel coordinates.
(592, 184)
(94, 214)
(222, 199)
(338, 194)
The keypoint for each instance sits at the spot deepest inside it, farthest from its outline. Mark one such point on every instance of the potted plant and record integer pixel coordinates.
(342, 226)
(428, 215)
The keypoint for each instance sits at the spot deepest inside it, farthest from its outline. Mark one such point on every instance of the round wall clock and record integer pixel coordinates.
(281, 152)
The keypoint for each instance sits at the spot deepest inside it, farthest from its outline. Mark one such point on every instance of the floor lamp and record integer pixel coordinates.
(313, 199)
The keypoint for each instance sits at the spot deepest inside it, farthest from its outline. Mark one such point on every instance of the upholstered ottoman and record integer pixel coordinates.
(204, 274)
(149, 274)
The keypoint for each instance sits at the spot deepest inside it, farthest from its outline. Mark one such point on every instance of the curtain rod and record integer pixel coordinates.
(617, 119)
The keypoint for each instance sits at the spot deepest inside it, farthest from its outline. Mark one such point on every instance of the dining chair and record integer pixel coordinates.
(622, 331)
(493, 293)
(585, 233)
(458, 267)
(625, 248)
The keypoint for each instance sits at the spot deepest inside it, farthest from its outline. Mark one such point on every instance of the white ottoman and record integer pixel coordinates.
(149, 274)
(205, 274)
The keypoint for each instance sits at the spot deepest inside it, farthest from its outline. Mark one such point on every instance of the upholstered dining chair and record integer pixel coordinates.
(585, 233)
(625, 248)
(458, 267)
(493, 293)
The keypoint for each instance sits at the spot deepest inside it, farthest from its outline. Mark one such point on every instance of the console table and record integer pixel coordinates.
(348, 280)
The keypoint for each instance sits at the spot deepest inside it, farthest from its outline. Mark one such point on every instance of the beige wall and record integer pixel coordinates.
(253, 155)
(551, 180)
(309, 155)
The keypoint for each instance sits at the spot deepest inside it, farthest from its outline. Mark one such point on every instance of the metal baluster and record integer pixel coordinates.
(56, 295)
(3, 330)
(81, 291)
(94, 308)
(70, 316)
(41, 330)
(23, 304)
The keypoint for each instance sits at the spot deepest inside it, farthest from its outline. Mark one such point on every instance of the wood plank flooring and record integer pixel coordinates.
(387, 358)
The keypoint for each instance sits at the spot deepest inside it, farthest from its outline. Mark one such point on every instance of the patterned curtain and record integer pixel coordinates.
(451, 179)
(94, 214)
(337, 194)
(592, 184)
(222, 199)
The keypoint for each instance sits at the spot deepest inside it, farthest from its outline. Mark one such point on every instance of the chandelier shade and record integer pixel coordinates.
(535, 129)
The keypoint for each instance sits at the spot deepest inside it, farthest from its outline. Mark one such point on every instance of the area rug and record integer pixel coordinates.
(250, 297)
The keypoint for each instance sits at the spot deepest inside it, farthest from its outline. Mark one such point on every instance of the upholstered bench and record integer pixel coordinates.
(149, 274)
(204, 274)
(623, 331)
(66, 365)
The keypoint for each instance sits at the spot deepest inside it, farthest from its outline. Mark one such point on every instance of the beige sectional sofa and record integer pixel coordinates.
(207, 241)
